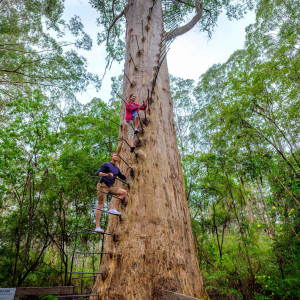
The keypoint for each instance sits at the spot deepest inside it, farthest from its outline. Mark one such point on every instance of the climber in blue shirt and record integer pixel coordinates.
(108, 173)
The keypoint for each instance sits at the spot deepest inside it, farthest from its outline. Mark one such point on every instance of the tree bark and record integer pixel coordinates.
(155, 249)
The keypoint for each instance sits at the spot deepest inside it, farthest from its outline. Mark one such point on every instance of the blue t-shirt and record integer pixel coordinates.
(134, 113)
(109, 167)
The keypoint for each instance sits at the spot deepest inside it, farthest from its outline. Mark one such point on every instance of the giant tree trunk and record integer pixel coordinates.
(155, 250)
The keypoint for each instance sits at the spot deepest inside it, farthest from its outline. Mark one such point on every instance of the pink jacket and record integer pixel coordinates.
(130, 110)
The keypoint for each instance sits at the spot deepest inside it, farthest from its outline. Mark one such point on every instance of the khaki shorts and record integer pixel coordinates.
(130, 130)
(104, 188)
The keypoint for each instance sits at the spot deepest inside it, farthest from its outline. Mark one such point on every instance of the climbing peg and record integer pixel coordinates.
(131, 84)
(139, 52)
(135, 67)
(144, 38)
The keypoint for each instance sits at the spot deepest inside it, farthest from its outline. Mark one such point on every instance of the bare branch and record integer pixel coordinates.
(113, 8)
(187, 27)
(185, 2)
(112, 25)
(113, 12)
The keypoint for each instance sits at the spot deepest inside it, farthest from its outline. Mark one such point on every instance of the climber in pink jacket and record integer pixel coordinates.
(131, 121)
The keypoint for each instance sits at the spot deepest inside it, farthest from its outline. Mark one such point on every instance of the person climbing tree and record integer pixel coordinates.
(108, 172)
(132, 121)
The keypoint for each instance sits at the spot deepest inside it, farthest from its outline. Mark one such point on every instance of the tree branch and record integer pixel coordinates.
(30, 52)
(30, 76)
(113, 12)
(14, 44)
(28, 82)
(112, 25)
(187, 27)
(185, 2)
(280, 130)
(28, 63)
(113, 8)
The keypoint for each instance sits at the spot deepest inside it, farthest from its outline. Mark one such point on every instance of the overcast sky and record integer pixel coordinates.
(189, 57)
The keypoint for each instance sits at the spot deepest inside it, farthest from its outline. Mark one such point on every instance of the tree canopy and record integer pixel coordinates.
(111, 20)
(32, 57)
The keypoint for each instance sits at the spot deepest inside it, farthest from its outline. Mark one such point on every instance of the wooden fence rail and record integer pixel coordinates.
(175, 296)
(51, 290)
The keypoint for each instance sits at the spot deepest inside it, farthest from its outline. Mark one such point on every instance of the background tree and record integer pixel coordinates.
(33, 53)
(38, 167)
(48, 188)
(242, 183)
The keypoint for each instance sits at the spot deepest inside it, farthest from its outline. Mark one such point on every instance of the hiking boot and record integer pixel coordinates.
(132, 149)
(136, 131)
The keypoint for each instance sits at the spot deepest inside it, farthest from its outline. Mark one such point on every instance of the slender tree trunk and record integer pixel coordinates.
(155, 250)
(248, 205)
(265, 209)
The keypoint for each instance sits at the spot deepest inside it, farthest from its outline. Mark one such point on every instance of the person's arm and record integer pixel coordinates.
(102, 172)
(144, 107)
(122, 176)
(130, 108)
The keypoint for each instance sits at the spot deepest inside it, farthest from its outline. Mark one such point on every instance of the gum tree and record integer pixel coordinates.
(155, 248)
